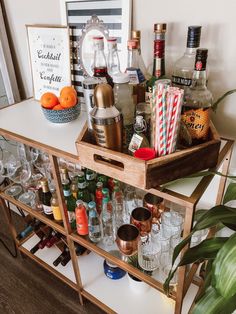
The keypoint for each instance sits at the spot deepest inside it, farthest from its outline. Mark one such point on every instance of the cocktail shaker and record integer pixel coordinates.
(106, 119)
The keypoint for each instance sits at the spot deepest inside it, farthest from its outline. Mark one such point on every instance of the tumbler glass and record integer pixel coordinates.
(148, 253)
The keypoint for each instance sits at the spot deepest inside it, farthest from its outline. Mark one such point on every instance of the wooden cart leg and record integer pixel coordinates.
(183, 269)
(8, 218)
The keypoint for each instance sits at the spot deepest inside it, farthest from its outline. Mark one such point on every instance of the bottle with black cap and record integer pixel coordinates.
(198, 101)
(184, 67)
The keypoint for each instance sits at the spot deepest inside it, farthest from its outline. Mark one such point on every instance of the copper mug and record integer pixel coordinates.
(155, 204)
(127, 239)
(141, 217)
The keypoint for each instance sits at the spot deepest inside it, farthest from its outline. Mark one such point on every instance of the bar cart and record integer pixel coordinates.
(24, 122)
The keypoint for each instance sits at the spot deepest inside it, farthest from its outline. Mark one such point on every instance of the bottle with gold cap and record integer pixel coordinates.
(106, 119)
(65, 174)
(136, 76)
(136, 34)
(158, 58)
(46, 198)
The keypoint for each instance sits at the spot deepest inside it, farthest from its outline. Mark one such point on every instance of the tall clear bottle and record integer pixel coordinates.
(198, 101)
(136, 34)
(70, 202)
(113, 61)
(136, 77)
(158, 71)
(107, 220)
(100, 64)
(123, 97)
(184, 67)
(95, 227)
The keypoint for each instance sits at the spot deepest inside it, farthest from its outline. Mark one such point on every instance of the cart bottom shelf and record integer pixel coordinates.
(45, 258)
(120, 296)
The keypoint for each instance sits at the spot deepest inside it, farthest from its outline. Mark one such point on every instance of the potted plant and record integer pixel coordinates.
(135, 283)
(218, 293)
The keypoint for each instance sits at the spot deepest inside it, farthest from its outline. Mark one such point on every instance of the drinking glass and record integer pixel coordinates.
(127, 240)
(148, 253)
(141, 217)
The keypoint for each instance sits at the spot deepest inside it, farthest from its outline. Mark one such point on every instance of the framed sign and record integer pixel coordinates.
(116, 16)
(49, 49)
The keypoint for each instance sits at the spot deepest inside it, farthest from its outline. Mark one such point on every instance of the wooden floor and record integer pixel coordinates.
(26, 288)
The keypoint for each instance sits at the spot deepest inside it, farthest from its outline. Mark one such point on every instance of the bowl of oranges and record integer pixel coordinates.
(62, 109)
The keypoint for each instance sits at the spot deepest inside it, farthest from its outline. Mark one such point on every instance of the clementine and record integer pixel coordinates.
(49, 100)
(68, 89)
(58, 107)
(68, 100)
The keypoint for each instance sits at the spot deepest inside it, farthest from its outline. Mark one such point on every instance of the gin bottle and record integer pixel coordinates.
(198, 101)
(184, 67)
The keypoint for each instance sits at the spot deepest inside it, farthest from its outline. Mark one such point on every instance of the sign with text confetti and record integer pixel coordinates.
(49, 49)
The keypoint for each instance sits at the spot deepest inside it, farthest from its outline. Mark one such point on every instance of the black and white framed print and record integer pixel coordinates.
(116, 16)
(49, 51)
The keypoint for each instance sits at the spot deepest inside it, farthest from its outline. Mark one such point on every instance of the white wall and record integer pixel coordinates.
(217, 17)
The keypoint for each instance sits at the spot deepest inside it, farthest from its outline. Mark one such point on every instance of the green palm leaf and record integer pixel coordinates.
(230, 193)
(224, 269)
(213, 303)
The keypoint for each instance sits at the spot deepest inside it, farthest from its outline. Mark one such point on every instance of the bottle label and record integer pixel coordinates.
(82, 185)
(197, 122)
(90, 176)
(135, 76)
(182, 81)
(71, 216)
(135, 143)
(47, 210)
(66, 193)
(56, 213)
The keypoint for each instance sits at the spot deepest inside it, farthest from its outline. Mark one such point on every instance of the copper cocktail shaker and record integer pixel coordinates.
(106, 119)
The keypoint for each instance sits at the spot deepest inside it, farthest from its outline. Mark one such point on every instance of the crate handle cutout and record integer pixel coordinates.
(109, 162)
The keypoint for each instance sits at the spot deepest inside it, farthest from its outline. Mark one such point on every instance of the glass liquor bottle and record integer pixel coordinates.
(158, 71)
(198, 101)
(136, 34)
(136, 77)
(83, 192)
(124, 102)
(139, 138)
(46, 198)
(65, 174)
(184, 67)
(91, 183)
(70, 202)
(74, 186)
(99, 197)
(113, 61)
(95, 227)
(100, 64)
(55, 207)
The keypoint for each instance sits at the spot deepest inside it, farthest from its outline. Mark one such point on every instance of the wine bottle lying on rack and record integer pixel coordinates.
(35, 225)
(65, 257)
(35, 248)
(64, 253)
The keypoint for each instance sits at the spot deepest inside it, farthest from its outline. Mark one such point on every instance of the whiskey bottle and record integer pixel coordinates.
(198, 101)
(158, 71)
(184, 67)
(136, 77)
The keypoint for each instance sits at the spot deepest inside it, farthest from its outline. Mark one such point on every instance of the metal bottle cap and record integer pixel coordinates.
(160, 27)
(136, 34)
(103, 96)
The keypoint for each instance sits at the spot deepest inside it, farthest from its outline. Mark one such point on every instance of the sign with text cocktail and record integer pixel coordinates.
(49, 49)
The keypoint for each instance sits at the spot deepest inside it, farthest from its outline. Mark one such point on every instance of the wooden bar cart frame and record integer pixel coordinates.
(185, 276)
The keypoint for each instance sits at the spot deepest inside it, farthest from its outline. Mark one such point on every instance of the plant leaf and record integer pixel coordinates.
(213, 216)
(207, 279)
(213, 303)
(207, 249)
(230, 226)
(198, 214)
(224, 268)
(230, 193)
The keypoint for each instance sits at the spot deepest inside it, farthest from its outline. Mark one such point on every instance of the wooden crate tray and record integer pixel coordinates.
(147, 174)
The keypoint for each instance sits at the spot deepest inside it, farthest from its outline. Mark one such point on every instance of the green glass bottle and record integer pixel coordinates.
(104, 179)
(158, 59)
(70, 202)
(83, 192)
(90, 178)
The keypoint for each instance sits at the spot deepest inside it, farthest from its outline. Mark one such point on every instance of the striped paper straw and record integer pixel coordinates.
(172, 115)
